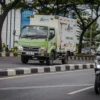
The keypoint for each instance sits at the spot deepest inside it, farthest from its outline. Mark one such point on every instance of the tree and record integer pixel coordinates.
(84, 25)
(78, 6)
(54, 7)
(95, 34)
(43, 6)
(5, 7)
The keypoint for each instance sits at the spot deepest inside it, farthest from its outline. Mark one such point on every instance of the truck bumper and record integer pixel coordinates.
(36, 55)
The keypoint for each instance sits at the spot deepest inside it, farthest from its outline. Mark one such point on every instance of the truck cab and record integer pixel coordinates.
(37, 42)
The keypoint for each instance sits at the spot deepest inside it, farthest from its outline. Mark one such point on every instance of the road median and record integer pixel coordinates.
(49, 69)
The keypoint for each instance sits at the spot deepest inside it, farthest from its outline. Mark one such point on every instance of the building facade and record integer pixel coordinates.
(13, 23)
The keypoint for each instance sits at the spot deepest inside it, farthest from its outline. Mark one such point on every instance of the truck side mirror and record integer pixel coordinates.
(51, 33)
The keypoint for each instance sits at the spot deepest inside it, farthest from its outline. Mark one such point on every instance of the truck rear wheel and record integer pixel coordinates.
(24, 59)
(65, 60)
(72, 54)
(50, 60)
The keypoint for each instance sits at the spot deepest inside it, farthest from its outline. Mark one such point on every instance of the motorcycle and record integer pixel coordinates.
(97, 76)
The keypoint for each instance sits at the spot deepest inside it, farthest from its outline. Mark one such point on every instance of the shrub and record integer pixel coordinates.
(7, 54)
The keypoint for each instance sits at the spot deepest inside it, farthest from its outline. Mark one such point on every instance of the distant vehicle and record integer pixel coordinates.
(48, 38)
(97, 53)
(84, 50)
(89, 51)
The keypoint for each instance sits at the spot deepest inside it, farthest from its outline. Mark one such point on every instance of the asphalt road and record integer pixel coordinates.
(14, 62)
(72, 85)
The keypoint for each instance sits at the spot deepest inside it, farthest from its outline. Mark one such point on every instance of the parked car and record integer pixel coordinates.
(97, 53)
(89, 51)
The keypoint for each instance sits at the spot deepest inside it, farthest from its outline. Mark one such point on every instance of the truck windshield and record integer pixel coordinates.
(34, 32)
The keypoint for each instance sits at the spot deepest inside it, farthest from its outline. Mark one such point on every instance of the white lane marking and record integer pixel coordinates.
(40, 87)
(44, 74)
(81, 90)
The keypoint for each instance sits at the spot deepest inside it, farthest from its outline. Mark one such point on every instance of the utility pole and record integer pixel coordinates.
(91, 29)
(6, 29)
(10, 29)
(14, 31)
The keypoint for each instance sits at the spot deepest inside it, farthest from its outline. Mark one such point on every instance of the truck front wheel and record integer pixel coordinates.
(65, 60)
(24, 59)
(50, 60)
(41, 62)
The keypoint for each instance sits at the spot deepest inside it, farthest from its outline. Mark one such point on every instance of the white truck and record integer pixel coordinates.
(48, 38)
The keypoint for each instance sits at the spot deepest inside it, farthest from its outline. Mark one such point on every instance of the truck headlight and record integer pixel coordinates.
(20, 48)
(42, 49)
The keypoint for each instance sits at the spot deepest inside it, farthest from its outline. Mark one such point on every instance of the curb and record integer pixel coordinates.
(82, 58)
(49, 69)
(72, 58)
(7, 54)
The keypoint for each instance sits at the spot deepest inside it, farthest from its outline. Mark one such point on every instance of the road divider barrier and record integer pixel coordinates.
(7, 54)
(82, 58)
(49, 69)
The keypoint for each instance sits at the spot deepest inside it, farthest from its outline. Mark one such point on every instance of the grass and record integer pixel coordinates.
(84, 55)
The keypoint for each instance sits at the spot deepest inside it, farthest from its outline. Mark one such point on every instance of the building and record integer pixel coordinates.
(13, 23)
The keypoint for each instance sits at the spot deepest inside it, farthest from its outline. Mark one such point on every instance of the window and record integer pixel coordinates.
(51, 33)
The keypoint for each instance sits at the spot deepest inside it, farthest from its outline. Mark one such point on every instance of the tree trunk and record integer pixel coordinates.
(57, 12)
(80, 42)
(2, 18)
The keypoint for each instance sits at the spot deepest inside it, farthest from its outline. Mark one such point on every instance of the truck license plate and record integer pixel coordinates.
(30, 53)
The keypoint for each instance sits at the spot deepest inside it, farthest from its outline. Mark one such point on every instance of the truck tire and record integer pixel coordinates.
(72, 54)
(24, 59)
(50, 60)
(96, 87)
(65, 60)
(41, 62)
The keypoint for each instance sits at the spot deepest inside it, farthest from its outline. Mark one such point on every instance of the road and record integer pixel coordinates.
(72, 85)
(14, 62)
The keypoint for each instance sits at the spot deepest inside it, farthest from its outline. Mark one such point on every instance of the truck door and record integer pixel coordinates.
(63, 37)
(51, 39)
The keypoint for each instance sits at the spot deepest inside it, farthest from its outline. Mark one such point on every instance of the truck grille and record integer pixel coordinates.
(35, 49)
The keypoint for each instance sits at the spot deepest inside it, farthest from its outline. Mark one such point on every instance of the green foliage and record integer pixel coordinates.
(7, 54)
(3, 45)
(84, 55)
(14, 49)
(95, 33)
(0, 54)
(56, 7)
